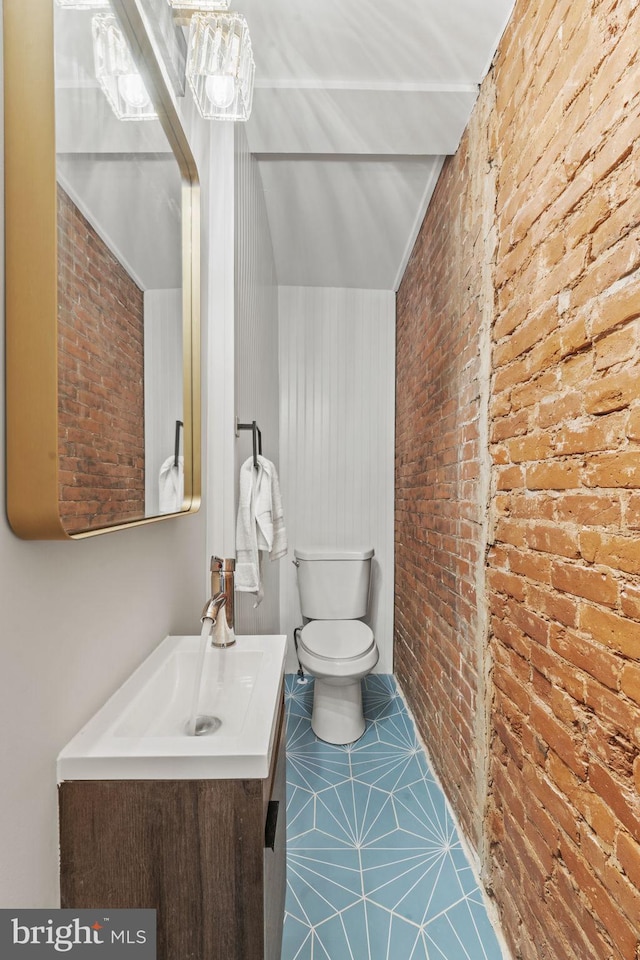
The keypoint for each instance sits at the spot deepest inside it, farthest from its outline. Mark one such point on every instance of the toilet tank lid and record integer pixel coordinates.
(332, 553)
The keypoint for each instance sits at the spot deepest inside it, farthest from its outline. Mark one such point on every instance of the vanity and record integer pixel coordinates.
(191, 826)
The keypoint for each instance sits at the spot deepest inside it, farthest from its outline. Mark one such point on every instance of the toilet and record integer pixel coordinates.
(335, 646)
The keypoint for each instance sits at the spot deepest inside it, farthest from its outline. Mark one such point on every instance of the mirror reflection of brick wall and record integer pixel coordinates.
(100, 379)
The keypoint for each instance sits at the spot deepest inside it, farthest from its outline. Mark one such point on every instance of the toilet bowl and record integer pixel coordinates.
(335, 646)
(338, 653)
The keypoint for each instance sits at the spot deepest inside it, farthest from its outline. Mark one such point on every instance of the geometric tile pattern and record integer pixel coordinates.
(375, 867)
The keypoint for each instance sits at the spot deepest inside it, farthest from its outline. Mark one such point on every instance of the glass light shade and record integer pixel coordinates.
(116, 72)
(220, 66)
(201, 6)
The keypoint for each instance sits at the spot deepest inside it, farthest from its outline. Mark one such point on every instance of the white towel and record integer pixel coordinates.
(171, 485)
(260, 524)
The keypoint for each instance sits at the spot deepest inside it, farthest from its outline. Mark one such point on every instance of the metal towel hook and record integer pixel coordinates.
(257, 438)
(179, 425)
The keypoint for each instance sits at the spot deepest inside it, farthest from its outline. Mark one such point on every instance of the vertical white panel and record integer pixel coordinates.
(218, 351)
(163, 401)
(256, 331)
(337, 381)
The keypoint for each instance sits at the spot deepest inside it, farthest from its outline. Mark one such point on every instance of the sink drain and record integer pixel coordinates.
(206, 725)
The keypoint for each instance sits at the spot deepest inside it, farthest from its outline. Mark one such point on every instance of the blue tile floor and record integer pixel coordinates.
(375, 868)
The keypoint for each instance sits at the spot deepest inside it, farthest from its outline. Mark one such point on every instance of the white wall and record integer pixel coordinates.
(163, 402)
(337, 384)
(75, 619)
(218, 346)
(256, 332)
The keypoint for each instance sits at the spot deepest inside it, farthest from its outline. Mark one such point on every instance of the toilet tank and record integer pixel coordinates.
(333, 584)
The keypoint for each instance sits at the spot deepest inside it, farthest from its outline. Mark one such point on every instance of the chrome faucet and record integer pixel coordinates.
(220, 608)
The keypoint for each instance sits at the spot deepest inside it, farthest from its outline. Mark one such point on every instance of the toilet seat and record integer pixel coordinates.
(337, 639)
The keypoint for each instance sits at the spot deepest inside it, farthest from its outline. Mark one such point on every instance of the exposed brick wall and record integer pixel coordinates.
(444, 305)
(562, 843)
(565, 590)
(100, 380)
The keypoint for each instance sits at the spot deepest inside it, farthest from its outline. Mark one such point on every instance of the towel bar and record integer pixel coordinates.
(257, 438)
(179, 425)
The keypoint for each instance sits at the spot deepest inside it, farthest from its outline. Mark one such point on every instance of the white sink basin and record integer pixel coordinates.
(141, 731)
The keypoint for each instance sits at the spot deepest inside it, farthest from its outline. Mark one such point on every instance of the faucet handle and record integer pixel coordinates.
(218, 564)
(213, 607)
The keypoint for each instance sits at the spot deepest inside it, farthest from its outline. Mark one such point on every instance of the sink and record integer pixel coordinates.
(140, 732)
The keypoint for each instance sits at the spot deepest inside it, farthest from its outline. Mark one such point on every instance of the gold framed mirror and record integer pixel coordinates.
(102, 277)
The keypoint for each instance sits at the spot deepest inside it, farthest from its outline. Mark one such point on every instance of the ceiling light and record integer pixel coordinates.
(220, 66)
(117, 73)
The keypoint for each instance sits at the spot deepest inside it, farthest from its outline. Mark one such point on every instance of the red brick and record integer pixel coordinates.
(557, 283)
(619, 469)
(533, 391)
(439, 553)
(552, 539)
(618, 798)
(628, 854)
(618, 552)
(615, 348)
(509, 478)
(619, 713)
(533, 446)
(506, 583)
(531, 565)
(590, 510)
(621, 304)
(591, 584)
(583, 653)
(557, 408)
(509, 426)
(555, 734)
(554, 605)
(91, 487)
(630, 681)
(630, 600)
(584, 435)
(618, 633)
(633, 423)
(558, 475)
(632, 512)
(531, 505)
(613, 392)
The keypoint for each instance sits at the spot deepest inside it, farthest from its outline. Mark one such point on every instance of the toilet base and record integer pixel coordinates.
(337, 715)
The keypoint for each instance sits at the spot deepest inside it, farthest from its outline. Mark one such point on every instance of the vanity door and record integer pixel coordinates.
(275, 850)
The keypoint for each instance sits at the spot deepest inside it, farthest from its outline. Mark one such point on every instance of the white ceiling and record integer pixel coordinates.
(356, 104)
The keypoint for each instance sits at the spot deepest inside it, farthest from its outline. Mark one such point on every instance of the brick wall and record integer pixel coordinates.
(444, 306)
(565, 590)
(561, 847)
(100, 380)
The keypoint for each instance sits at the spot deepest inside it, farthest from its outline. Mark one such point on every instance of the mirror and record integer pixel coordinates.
(103, 411)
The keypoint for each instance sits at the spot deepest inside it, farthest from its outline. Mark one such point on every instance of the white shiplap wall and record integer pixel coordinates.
(256, 331)
(337, 401)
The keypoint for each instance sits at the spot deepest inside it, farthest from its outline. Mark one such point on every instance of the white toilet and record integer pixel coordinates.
(335, 646)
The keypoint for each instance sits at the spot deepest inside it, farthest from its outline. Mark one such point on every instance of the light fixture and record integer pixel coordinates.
(117, 73)
(220, 66)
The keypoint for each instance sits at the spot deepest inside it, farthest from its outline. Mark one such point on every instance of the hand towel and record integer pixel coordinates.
(260, 524)
(171, 485)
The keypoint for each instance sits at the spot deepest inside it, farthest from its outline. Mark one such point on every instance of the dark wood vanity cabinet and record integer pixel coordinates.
(208, 855)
